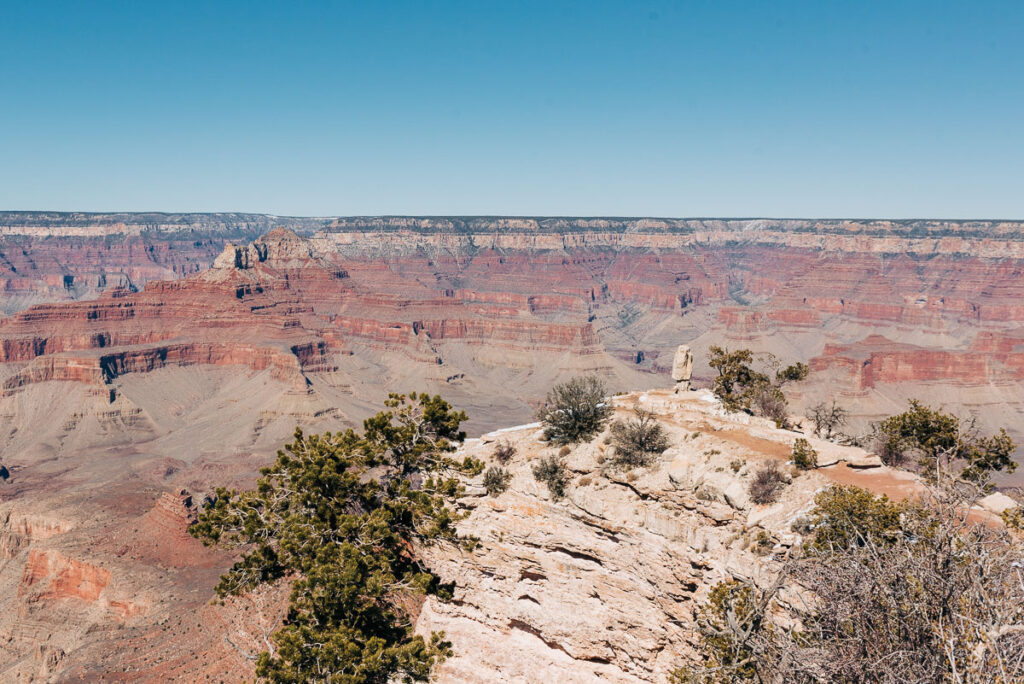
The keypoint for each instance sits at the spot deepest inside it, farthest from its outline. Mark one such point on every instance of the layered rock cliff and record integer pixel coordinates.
(883, 310)
(54, 256)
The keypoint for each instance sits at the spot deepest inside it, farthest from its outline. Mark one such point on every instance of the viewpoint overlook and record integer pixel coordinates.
(148, 359)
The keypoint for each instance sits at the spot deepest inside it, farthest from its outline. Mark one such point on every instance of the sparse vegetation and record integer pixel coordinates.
(736, 464)
(732, 607)
(504, 451)
(804, 456)
(828, 419)
(898, 593)
(763, 543)
(638, 440)
(742, 388)
(575, 410)
(766, 484)
(346, 539)
(496, 480)
(551, 471)
(941, 444)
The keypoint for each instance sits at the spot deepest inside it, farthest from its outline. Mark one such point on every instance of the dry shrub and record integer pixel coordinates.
(908, 592)
(551, 471)
(496, 480)
(767, 484)
(504, 451)
(574, 411)
(638, 439)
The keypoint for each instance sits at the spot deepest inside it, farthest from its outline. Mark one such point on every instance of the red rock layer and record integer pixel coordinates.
(59, 577)
(288, 304)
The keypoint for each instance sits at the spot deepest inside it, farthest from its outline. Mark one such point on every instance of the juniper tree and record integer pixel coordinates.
(942, 442)
(575, 410)
(342, 516)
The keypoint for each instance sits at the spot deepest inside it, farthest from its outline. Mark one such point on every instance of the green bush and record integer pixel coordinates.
(941, 442)
(844, 517)
(742, 388)
(804, 455)
(496, 480)
(575, 410)
(551, 471)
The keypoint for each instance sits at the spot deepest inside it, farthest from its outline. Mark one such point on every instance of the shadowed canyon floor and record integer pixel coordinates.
(154, 361)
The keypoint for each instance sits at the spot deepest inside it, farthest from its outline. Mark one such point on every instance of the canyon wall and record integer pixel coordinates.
(883, 310)
(57, 256)
(125, 402)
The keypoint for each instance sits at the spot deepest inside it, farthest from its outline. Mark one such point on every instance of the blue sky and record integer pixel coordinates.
(718, 108)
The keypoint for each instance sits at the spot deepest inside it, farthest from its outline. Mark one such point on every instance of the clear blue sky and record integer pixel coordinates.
(718, 108)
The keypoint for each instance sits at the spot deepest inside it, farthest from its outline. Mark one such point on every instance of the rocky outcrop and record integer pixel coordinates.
(51, 575)
(53, 256)
(605, 584)
(682, 367)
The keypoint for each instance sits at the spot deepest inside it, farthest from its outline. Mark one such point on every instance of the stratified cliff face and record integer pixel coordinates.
(882, 310)
(52, 256)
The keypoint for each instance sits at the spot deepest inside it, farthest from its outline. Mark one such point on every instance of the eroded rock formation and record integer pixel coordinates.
(111, 406)
(605, 584)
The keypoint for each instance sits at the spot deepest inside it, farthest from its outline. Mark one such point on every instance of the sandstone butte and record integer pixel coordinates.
(124, 400)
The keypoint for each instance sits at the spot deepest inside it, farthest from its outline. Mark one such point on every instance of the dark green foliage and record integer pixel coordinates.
(735, 376)
(939, 441)
(575, 410)
(340, 516)
(845, 517)
(766, 484)
(742, 388)
(804, 455)
(551, 471)
(794, 373)
(638, 439)
(919, 428)
(496, 480)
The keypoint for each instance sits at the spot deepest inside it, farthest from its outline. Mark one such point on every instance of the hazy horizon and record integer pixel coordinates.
(904, 219)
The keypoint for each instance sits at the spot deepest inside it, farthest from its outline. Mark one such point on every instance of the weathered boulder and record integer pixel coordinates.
(863, 460)
(997, 503)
